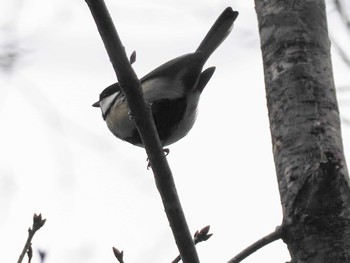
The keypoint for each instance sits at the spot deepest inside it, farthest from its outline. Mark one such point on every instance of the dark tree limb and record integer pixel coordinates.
(275, 235)
(142, 116)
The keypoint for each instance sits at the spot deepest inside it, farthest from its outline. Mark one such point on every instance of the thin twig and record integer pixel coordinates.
(275, 235)
(30, 253)
(142, 116)
(118, 254)
(38, 222)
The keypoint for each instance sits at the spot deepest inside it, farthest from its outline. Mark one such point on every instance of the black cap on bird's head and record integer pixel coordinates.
(107, 97)
(114, 88)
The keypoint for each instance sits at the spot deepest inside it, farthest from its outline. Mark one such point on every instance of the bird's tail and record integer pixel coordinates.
(218, 32)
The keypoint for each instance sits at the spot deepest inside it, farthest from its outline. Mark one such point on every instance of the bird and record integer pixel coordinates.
(172, 91)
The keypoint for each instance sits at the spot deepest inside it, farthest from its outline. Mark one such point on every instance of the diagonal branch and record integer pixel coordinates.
(143, 119)
(275, 235)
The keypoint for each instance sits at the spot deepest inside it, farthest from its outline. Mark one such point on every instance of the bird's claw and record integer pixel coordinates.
(130, 116)
(166, 152)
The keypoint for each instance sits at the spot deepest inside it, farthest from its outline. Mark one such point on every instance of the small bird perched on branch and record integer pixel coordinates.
(173, 90)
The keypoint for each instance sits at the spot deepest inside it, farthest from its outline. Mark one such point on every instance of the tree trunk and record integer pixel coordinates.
(305, 128)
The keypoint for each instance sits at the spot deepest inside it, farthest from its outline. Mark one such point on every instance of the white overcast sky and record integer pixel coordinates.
(58, 158)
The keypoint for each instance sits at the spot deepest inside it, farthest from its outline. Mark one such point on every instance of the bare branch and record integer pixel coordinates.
(275, 235)
(142, 116)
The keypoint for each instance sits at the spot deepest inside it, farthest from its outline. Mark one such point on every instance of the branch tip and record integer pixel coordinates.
(38, 222)
(202, 235)
(118, 254)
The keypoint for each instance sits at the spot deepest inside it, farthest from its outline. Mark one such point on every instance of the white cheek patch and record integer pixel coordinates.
(106, 103)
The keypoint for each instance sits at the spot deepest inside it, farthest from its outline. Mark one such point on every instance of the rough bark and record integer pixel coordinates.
(305, 130)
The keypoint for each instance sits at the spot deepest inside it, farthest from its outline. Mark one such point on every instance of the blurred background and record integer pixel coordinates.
(58, 158)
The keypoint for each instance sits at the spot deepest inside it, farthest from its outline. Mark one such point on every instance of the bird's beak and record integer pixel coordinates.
(96, 104)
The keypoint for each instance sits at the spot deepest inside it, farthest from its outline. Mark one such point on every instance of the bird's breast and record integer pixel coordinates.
(119, 122)
(174, 114)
